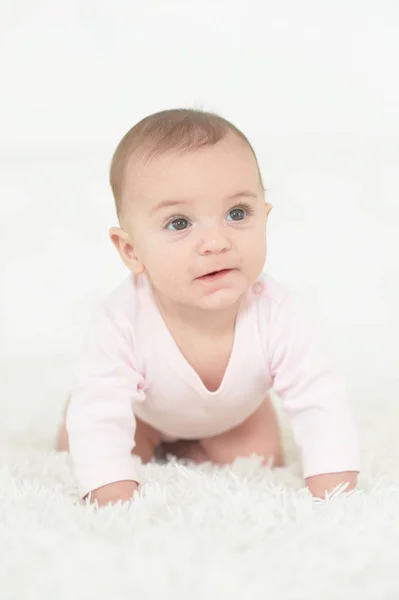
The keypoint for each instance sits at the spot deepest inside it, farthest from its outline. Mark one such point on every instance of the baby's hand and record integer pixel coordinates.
(320, 485)
(112, 492)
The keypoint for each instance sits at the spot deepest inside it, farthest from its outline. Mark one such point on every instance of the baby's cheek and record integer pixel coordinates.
(167, 270)
(156, 257)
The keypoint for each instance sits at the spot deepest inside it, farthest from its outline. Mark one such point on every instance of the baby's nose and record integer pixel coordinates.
(214, 242)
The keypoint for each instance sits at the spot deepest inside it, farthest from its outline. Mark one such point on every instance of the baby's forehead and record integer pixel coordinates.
(193, 169)
(216, 171)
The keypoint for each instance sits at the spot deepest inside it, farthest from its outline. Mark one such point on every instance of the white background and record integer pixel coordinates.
(313, 84)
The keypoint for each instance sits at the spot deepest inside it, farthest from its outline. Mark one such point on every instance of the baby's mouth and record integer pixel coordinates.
(215, 275)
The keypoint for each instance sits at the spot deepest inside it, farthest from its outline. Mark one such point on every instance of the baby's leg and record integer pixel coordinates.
(146, 439)
(189, 449)
(259, 434)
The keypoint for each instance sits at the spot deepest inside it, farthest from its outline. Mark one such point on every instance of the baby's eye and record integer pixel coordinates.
(178, 225)
(237, 214)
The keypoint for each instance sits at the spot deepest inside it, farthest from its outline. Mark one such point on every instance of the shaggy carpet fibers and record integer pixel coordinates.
(192, 532)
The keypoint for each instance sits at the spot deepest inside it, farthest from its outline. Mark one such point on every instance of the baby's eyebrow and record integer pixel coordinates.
(168, 203)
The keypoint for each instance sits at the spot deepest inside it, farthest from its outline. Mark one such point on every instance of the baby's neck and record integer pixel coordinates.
(204, 323)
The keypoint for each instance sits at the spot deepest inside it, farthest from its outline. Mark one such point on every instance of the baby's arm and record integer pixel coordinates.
(100, 419)
(313, 395)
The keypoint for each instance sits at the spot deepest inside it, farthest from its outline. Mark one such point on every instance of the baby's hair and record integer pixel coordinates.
(179, 129)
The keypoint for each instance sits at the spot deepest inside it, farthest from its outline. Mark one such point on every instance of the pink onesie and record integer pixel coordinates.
(130, 365)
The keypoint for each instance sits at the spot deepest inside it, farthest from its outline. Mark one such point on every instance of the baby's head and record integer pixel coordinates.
(190, 201)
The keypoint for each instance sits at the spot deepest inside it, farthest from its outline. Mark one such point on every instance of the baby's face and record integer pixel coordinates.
(197, 213)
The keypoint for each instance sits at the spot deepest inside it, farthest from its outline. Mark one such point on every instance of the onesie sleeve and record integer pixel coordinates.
(313, 394)
(100, 420)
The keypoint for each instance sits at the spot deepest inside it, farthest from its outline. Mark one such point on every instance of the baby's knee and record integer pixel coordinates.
(146, 440)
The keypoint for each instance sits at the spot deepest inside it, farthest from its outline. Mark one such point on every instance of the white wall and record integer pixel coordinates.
(314, 86)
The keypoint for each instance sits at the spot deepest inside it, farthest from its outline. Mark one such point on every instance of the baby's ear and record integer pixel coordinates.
(124, 246)
(268, 208)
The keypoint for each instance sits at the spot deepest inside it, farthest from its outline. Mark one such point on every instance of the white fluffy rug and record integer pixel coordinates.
(194, 532)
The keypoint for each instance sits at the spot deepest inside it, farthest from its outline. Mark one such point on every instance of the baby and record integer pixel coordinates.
(182, 355)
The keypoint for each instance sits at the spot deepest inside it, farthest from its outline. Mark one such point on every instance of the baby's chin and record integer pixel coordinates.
(219, 299)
